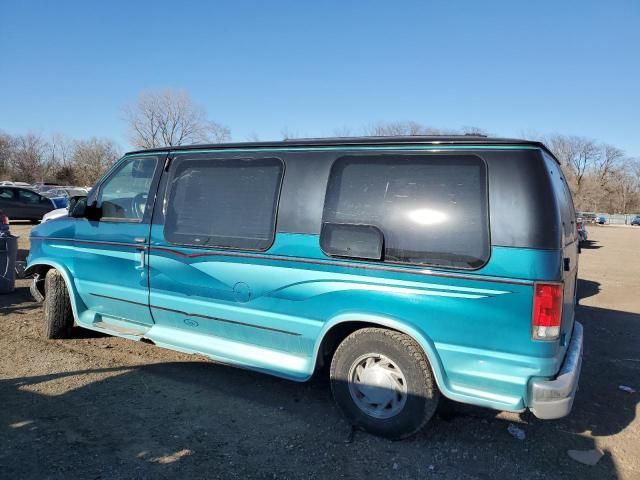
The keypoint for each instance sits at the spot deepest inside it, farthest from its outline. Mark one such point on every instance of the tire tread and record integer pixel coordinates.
(414, 351)
(58, 315)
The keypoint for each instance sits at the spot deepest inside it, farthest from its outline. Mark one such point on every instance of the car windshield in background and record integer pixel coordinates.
(65, 192)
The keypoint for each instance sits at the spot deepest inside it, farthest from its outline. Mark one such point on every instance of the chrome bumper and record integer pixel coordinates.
(550, 399)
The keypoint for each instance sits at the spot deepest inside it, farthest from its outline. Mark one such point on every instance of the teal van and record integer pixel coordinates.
(412, 268)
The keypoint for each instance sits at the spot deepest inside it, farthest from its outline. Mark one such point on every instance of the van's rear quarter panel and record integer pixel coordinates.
(480, 329)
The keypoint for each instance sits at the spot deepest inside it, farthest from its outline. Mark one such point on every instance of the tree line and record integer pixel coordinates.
(602, 178)
(58, 159)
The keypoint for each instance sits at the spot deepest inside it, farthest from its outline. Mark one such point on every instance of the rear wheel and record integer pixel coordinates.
(58, 316)
(382, 382)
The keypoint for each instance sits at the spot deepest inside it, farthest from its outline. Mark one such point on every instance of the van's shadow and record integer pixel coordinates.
(587, 288)
(200, 419)
(590, 245)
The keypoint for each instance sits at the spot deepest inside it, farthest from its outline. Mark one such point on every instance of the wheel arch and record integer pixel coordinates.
(41, 267)
(338, 328)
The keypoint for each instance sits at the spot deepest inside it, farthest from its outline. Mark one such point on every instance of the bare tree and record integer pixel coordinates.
(288, 134)
(216, 133)
(169, 118)
(6, 146)
(605, 163)
(28, 158)
(472, 130)
(342, 132)
(400, 128)
(585, 154)
(577, 154)
(60, 149)
(253, 137)
(91, 158)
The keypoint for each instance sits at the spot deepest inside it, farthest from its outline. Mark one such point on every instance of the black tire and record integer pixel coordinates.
(422, 394)
(58, 316)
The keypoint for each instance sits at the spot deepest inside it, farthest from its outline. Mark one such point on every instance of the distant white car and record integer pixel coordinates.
(8, 183)
(53, 214)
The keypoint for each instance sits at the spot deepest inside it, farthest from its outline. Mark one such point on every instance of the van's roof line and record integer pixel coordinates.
(346, 141)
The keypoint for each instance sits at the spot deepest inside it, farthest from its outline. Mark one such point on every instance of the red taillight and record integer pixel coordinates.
(547, 310)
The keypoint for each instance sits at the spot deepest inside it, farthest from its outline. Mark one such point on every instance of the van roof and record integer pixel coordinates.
(349, 141)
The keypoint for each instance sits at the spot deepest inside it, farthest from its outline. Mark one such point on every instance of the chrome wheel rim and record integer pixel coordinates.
(377, 386)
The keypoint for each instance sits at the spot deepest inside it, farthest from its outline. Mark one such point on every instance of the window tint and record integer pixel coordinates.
(6, 193)
(26, 196)
(431, 209)
(124, 194)
(228, 203)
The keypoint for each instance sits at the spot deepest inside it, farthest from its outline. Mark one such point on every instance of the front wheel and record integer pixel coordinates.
(58, 316)
(382, 382)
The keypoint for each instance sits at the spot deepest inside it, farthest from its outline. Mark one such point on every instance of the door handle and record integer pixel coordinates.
(142, 265)
(139, 239)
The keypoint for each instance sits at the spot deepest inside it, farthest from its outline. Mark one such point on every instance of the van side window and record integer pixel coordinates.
(226, 203)
(123, 195)
(431, 209)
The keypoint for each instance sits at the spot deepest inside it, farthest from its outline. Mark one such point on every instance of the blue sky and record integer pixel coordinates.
(509, 67)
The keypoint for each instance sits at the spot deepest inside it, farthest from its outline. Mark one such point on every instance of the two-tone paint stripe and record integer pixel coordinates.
(283, 258)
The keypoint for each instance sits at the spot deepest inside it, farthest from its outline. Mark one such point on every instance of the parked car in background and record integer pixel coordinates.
(635, 221)
(601, 220)
(582, 231)
(53, 214)
(587, 217)
(25, 204)
(7, 183)
(42, 187)
(62, 212)
(65, 192)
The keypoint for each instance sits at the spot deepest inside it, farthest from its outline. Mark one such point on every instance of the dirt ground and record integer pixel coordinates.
(104, 407)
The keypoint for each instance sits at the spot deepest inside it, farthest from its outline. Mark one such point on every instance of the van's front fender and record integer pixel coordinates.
(42, 265)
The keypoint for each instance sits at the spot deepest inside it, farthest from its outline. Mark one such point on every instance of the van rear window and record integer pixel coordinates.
(226, 203)
(431, 209)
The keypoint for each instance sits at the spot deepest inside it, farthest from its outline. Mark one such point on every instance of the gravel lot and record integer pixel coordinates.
(104, 407)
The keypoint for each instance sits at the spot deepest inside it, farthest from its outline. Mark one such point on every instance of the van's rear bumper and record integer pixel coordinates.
(550, 399)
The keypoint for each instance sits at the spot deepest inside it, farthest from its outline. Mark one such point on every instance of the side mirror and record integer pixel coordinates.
(82, 210)
(77, 207)
(73, 201)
